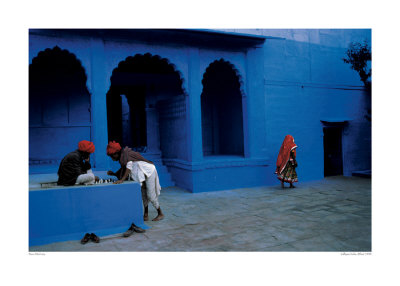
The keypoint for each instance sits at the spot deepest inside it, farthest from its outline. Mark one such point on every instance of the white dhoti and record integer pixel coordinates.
(146, 174)
(151, 190)
(86, 179)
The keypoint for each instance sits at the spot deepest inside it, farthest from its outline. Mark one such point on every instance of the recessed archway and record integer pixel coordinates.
(142, 103)
(221, 110)
(59, 106)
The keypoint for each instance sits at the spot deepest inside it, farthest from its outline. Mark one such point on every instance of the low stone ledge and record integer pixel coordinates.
(67, 213)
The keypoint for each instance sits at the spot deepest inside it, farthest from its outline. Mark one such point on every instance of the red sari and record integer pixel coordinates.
(284, 167)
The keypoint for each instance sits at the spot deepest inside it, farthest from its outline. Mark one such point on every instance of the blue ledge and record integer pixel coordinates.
(67, 213)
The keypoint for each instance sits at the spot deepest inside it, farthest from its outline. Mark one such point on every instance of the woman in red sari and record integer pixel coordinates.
(286, 163)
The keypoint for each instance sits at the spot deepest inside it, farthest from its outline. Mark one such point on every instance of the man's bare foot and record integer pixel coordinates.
(292, 186)
(146, 217)
(159, 217)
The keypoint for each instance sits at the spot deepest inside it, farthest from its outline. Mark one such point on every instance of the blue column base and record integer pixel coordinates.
(221, 173)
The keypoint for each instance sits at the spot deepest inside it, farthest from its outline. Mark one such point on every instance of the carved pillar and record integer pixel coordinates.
(193, 102)
(99, 84)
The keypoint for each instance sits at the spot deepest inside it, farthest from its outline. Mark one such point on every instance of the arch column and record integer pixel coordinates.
(193, 105)
(98, 103)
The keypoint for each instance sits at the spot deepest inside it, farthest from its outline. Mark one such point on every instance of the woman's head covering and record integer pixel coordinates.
(86, 146)
(284, 153)
(113, 147)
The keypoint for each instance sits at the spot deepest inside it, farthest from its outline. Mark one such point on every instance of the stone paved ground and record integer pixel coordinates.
(333, 214)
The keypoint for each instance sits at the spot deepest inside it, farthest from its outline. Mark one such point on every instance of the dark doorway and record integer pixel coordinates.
(221, 111)
(126, 114)
(137, 112)
(138, 87)
(333, 160)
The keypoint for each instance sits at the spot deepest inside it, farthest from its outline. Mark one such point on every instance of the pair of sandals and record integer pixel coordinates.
(91, 237)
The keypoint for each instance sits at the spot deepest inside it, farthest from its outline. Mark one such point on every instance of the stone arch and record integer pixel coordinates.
(146, 97)
(222, 110)
(157, 63)
(59, 105)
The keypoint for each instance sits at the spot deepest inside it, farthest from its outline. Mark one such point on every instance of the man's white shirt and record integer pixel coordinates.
(140, 170)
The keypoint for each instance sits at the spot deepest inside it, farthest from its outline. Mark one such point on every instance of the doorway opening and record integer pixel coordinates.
(141, 106)
(333, 155)
(126, 115)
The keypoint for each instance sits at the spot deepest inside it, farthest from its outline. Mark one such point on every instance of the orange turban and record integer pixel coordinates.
(86, 146)
(113, 147)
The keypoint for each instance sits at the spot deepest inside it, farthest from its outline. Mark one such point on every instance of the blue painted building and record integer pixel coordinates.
(209, 107)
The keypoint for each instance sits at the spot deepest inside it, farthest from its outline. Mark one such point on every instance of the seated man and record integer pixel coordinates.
(75, 167)
(139, 169)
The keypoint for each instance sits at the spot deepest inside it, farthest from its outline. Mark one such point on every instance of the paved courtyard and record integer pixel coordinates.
(333, 214)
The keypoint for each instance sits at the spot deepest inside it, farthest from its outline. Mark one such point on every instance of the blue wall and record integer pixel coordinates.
(290, 84)
(305, 83)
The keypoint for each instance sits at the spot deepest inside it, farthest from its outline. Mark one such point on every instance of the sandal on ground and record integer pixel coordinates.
(137, 229)
(94, 238)
(85, 239)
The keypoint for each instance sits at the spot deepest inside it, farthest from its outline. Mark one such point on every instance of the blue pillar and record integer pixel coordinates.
(193, 105)
(99, 84)
(255, 104)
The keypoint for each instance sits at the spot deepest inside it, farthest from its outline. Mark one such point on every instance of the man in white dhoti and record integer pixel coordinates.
(136, 167)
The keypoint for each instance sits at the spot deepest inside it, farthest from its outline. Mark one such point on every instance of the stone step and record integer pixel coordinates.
(165, 176)
(161, 168)
(165, 180)
(363, 174)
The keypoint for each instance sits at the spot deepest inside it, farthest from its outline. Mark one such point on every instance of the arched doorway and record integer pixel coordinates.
(59, 106)
(146, 107)
(221, 110)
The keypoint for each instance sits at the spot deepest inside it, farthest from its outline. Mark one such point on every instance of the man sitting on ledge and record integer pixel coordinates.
(140, 170)
(75, 167)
